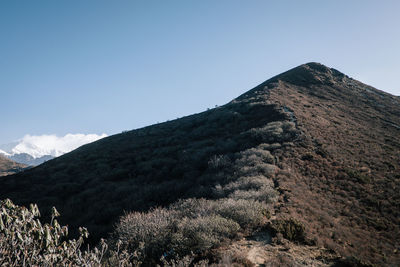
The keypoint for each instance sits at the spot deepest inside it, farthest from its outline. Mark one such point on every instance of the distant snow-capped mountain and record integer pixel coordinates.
(27, 159)
(34, 150)
(2, 152)
(29, 156)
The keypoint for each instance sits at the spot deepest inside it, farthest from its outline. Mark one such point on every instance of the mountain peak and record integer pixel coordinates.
(305, 75)
(311, 73)
(316, 66)
(305, 143)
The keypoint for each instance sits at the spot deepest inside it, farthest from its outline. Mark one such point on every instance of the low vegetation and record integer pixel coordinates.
(188, 226)
(341, 180)
(25, 241)
(300, 156)
(212, 155)
(291, 229)
(238, 202)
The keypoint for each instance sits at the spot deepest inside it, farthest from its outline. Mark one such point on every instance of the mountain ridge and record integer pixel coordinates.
(327, 134)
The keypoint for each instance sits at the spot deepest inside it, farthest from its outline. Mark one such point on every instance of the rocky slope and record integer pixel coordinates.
(328, 144)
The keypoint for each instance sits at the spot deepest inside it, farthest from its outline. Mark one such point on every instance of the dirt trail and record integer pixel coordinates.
(260, 250)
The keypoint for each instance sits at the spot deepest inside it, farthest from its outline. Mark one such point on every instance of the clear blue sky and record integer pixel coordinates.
(107, 66)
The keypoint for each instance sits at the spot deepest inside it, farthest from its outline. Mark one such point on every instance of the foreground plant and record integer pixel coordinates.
(24, 241)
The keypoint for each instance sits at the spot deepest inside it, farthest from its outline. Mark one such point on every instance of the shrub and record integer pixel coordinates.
(149, 231)
(197, 235)
(260, 169)
(307, 156)
(255, 161)
(24, 240)
(194, 207)
(219, 161)
(265, 194)
(254, 156)
(257, 187)
(270, 147)
(358, 176)
(187, 261)
(291, 229)
(278, 131)
(191, 225)
(247, 213)
(248, 183)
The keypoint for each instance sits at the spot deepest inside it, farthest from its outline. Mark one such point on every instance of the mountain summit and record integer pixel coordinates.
(317, 148)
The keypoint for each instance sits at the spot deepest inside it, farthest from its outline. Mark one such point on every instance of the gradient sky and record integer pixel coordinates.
(107, 66)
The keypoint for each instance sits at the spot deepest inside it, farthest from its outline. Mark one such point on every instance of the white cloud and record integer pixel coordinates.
(40, 145)
(4, 153)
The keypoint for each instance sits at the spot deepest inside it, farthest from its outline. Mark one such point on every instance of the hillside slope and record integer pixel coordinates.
(8, 166)
(342, 179)
(140, 169)
(327, 143)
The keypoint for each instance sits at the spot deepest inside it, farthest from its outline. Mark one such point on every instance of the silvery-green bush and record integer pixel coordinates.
(25, 241)
(191, 225)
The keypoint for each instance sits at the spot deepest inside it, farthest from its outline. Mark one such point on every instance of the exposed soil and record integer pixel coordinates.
(263, 250)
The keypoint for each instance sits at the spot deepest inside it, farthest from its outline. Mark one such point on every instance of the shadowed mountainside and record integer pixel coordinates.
(140, 169)
(328, 143)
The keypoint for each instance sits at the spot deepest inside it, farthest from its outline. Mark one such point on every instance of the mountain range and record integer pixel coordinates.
(34, 150)
(319, 150)
(25, 158)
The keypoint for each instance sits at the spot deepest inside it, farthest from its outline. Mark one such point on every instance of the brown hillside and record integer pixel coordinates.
(342, 179)
(327, 143)
(8, 167)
